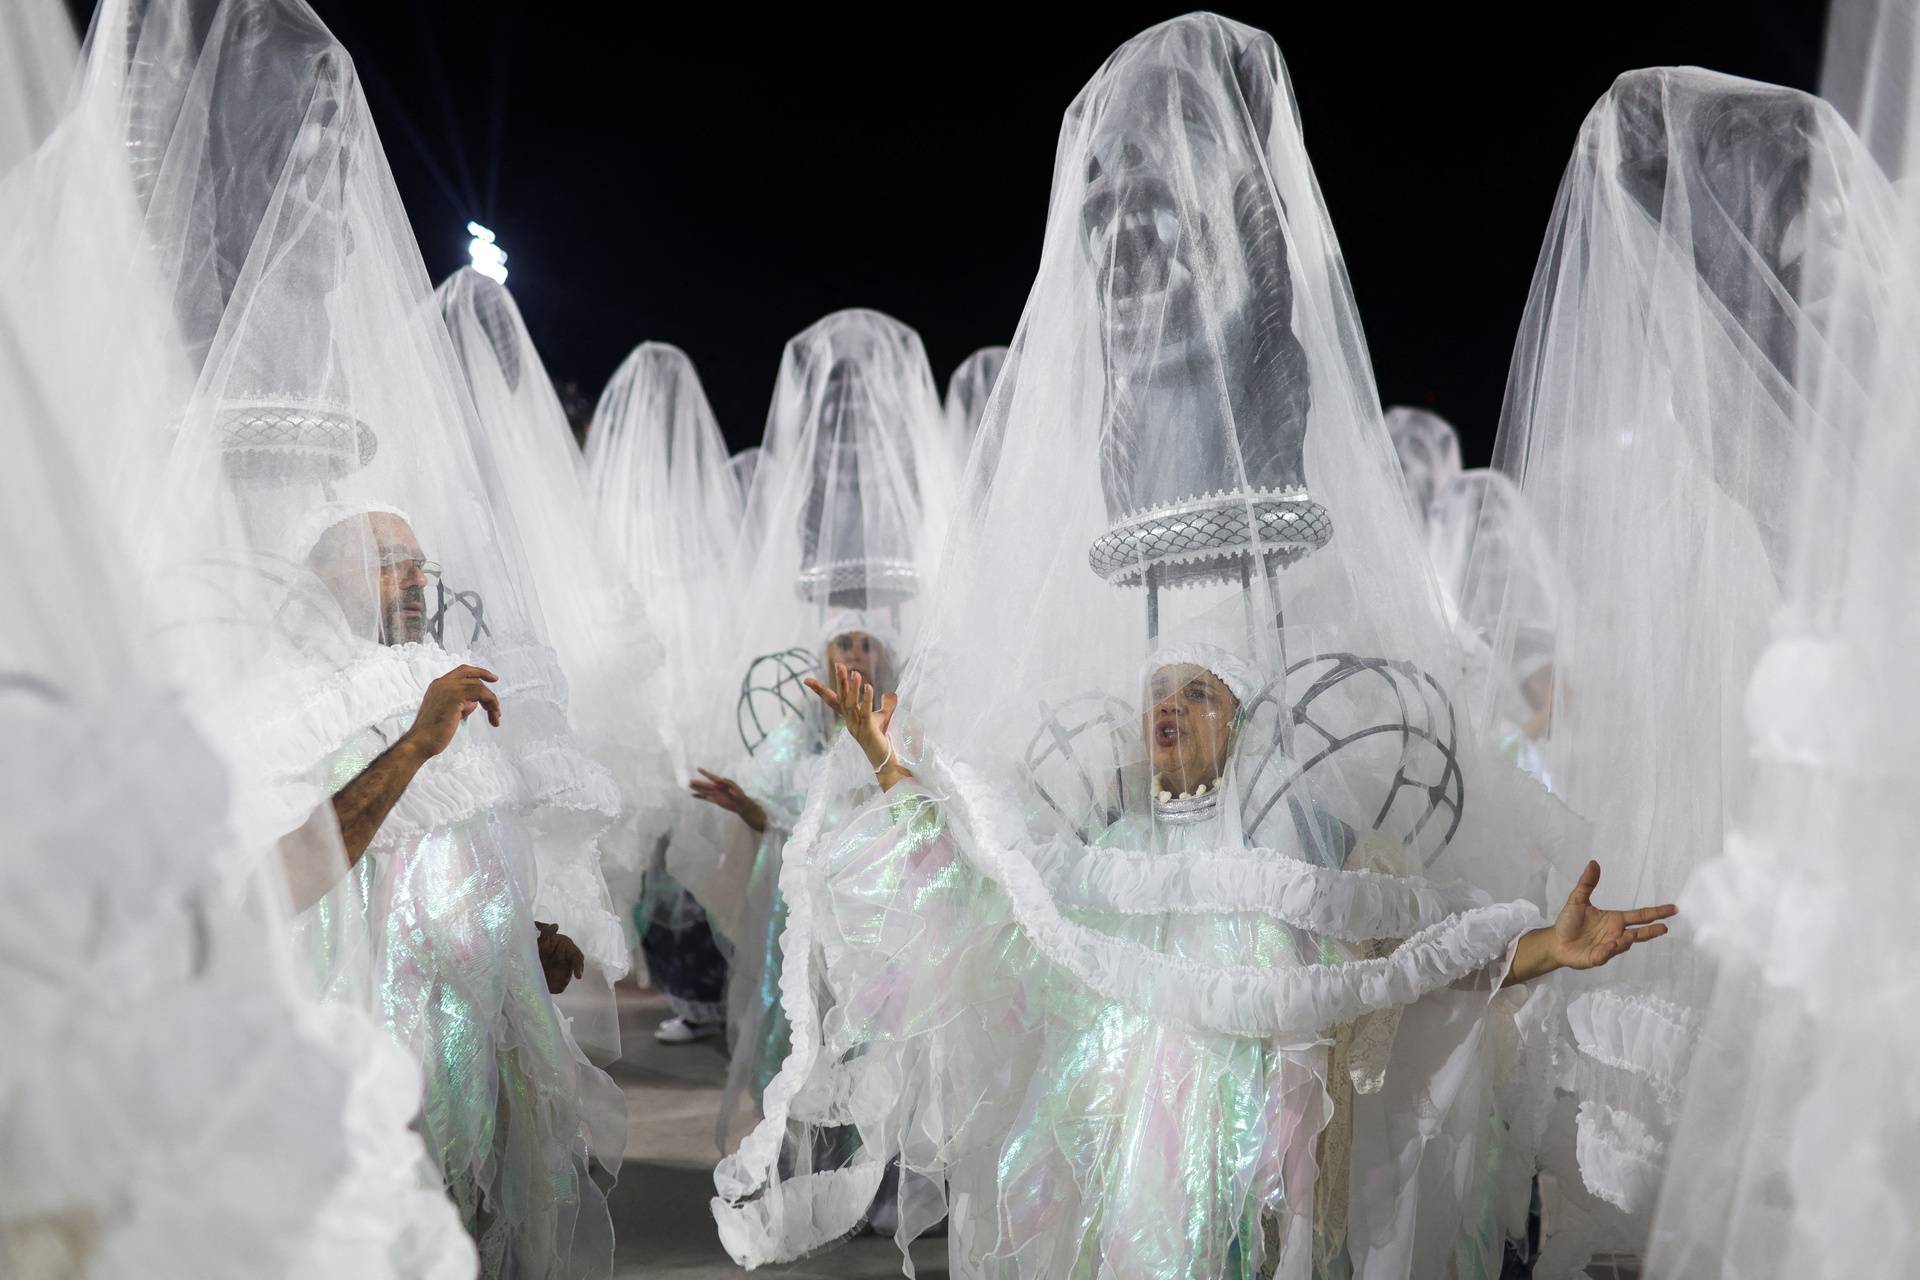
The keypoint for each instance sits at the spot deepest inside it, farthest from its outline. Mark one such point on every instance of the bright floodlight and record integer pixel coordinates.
(488, 258)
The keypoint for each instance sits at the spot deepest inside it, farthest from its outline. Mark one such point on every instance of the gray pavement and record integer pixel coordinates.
(662, 1225)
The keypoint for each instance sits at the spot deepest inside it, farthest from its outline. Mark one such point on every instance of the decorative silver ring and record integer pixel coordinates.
(284, 441)
(859, 583)
(1208, 539)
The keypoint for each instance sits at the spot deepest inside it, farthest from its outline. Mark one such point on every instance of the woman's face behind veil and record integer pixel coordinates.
(1189, 726)
(859, 653)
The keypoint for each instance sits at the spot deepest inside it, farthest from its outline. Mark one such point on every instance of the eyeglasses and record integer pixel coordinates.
(404, 566)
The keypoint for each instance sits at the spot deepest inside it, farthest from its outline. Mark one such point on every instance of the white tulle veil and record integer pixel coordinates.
(854, 486)
(661, 487)
(845, 513)
(1500, 576)
(1429, 452)
(317, 544)
(581, 602)
(967, 391)
(1690, 357)
(177, 1037)
(1788, 1157)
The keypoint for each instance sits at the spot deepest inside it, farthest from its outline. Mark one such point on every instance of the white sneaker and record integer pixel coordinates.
(677, 1030)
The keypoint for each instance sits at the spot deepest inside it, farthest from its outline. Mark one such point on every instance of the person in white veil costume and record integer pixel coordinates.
(746, 467)
(594, 619)
(1494, 566)
(175, 1100)
(1118, 990)
(1428, 449)
(663, 489)
(296, 513)
(855, 443)
(743, 465)
(1792, 1155)
(1688, 350)
(967, 392)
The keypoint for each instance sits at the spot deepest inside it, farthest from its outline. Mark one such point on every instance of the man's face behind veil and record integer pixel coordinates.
(374, 567)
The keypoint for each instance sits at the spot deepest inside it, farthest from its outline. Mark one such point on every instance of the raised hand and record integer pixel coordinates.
(1585, 937)
(726, 793)
(867, 715)
(449, 701)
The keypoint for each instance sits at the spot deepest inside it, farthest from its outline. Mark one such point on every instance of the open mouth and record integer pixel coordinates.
(1166, 733)
(1134, 230)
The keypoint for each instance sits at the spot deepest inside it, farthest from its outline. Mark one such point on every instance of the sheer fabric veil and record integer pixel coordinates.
(1429, 452)
(317, 544)
(1690, 359)
(594, 620)
(174, 1036)
(967, 392)
(1790, 1155)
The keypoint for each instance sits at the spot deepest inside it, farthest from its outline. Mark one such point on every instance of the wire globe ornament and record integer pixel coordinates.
(1393, 710)
(772, 691)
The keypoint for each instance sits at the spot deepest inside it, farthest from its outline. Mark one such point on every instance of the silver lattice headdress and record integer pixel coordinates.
(286, 441)
(1214, 538)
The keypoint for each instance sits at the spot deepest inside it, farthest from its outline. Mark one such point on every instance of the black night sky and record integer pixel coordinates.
(719, 178)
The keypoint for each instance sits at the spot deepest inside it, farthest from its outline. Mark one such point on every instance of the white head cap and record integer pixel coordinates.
(1239, 675)
(328, 514)
(843, 621)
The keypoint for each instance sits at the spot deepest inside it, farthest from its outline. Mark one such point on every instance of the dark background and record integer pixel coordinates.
(719, 178)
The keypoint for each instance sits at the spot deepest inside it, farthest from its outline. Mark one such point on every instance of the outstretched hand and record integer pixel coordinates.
(868, 715)
(1584, 936)
(726, 793)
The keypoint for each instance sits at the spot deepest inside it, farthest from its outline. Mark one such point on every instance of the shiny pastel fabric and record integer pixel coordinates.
(1144, 1147)
(1065, 1131)
(512, 1109)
